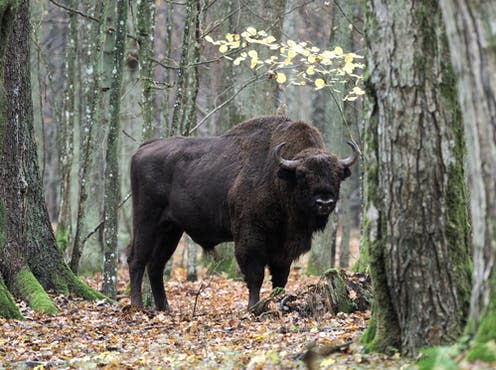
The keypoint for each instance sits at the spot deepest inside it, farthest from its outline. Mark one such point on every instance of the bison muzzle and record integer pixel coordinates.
(267, 184)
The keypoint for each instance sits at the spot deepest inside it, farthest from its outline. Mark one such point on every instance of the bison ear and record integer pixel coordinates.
(288, 175)
(346, 173)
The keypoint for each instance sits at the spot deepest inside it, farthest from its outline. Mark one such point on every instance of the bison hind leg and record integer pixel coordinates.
(163, 250)
(136, 271)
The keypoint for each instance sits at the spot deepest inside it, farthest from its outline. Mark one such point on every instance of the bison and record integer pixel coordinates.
(267, 184)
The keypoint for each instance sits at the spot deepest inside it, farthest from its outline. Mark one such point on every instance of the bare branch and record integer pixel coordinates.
(244, 86)
(346, 17)
(74, 11)
(102, 222)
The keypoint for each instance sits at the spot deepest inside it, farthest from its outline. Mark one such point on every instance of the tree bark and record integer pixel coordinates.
(112, 176)
(89, 122)
(419, 254)
(66, 136)
(146, 37)
(10, 200)
(30, 262)
(470, 29)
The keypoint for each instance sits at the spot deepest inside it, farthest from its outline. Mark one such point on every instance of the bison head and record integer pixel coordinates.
(314, 176)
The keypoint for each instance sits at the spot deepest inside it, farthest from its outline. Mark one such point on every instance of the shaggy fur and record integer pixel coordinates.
(231, 187)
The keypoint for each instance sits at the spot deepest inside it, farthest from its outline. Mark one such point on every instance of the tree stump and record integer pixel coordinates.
(336, 291)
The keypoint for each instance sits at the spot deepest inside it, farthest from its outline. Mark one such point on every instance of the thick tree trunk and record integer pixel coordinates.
(470, 29)
(10, 198)
(28, 253)
(419, 253)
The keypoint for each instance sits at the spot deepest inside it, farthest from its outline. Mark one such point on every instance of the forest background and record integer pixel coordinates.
(107, 75)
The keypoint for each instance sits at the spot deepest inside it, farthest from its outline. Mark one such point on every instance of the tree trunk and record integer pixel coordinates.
(328, 117)
(11, 261)
(146, 37)
(177, 122)
(166, 129)
(112, 185)
(88, 130)
(66, 136)
(470, 29)
(30, 262)
(419, 254)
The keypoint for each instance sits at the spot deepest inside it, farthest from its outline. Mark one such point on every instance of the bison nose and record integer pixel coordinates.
(324, 202)
(324, 206)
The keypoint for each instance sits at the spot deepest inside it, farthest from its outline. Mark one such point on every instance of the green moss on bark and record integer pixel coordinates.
(362, 263)
(67, 282)
(62, 237)
(8, 308)
(31, 290)
(84, 291)
(338, 293)
(2, 225)
(484, 344)
(384, 335)
(458, 226)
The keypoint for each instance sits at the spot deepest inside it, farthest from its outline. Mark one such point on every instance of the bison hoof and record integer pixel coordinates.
(262, 305)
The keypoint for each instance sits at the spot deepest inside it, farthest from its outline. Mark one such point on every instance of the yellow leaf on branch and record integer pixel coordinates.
(281, 78)
(319, 83)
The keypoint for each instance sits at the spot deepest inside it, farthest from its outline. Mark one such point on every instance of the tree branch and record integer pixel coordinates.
(102, 222)
(346, 17)
(74, 11)
(244, 86)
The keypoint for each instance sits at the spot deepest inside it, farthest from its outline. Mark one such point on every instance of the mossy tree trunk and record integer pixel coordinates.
(470, 29)
(30, 262)
(416, 226)
(11, 261)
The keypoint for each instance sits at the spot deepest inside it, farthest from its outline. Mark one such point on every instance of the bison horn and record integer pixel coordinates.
(285, 163)
(348, 162)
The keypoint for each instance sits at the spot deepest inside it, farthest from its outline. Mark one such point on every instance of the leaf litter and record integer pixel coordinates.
(208, 327)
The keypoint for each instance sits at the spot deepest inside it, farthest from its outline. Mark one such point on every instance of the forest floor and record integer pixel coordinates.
(208, 328)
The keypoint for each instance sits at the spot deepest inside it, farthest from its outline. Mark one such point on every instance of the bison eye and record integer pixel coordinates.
(346, 173)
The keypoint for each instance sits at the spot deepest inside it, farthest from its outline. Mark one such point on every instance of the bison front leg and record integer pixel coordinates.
(252, 265)
(280, 272)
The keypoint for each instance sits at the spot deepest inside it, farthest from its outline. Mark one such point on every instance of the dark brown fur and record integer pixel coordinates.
(231, 187)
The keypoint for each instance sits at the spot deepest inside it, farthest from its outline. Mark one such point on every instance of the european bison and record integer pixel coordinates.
(267, 184)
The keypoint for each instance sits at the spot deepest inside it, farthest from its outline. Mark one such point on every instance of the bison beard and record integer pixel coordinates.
(267, 184)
